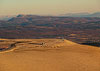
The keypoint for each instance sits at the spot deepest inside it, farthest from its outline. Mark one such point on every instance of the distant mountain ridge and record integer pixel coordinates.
(5, 18)
(96, 14)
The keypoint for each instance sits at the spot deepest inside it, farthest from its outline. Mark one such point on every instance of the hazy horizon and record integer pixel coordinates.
(47, 7)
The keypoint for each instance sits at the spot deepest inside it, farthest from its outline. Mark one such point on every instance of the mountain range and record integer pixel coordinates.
(96, 14)
(5, 18)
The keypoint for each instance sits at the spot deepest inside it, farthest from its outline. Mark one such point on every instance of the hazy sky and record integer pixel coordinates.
(48, 7)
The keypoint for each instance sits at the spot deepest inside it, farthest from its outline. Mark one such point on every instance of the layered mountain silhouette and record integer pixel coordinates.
(5, 18)
(97, 14)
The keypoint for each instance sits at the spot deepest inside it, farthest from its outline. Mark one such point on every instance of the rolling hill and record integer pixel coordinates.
(52, 55)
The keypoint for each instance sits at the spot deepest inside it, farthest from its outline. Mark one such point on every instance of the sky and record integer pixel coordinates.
(48, 7)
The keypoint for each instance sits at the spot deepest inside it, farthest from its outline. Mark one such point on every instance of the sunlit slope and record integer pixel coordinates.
(49, 55)
(29, 44)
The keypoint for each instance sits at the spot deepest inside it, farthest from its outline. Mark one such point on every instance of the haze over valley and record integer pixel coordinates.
(49, 35)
